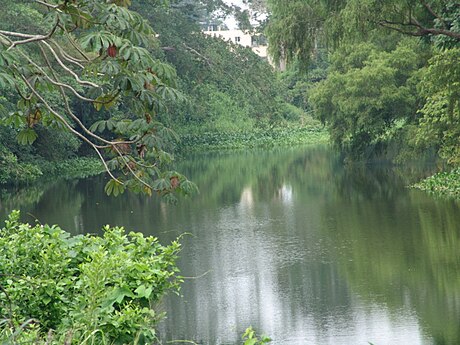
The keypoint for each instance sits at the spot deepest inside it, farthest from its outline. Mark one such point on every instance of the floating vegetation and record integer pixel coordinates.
(444, 183)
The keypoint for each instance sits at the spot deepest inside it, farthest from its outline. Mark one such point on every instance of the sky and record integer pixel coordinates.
(231, 22)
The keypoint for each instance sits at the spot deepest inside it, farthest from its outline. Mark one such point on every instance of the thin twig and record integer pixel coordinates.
(72, 42)
(67, 57)
(46, 4)
(430, 9)
(198, 277)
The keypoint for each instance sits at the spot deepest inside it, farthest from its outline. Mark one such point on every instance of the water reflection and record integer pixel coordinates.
(293, 243)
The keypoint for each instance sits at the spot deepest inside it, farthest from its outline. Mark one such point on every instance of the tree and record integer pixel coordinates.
(295, 27)
(440, 121)
(370, 97)
(228, 87)
(292, 29)
(96, 52)
(367, 96)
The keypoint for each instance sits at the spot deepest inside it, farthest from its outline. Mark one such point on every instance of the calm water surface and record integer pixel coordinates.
(290, 242)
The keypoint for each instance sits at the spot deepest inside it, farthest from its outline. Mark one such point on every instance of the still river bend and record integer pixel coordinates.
(291, 242)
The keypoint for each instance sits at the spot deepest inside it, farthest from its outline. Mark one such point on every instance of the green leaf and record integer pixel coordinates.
(143, 292)
(114, 188)
(161, 184)
(117, 296)
(27, 136)
(6, 80)
(250, 341)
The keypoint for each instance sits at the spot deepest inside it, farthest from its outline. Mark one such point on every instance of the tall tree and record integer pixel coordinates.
(294, 26)
(97, 53)
(382, 85)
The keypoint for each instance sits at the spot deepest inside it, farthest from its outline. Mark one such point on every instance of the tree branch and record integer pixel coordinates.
(46, 4)
(68, 57)
(18, 34)
(66, 124)
(33, 38)
(77, 78)
(421, 30)
(430, 9)
(194, 51)
(87, 131)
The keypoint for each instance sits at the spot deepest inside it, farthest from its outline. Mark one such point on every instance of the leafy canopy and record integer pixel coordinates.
(381, 89)
(96, 53)
(296, 26)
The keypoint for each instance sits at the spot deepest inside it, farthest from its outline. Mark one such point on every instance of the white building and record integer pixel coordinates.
(244, 38)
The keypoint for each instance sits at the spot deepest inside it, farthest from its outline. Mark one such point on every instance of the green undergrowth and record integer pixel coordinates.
(73, 168)
(14, 172)
(61, 289)
(443, 184)
(287, 136)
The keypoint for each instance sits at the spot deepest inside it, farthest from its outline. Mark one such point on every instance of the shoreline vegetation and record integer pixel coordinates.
(243, 139)
(445, 184)
(57, 288)
(19, 173)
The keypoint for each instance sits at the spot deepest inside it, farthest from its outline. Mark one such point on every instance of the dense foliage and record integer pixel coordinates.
(271, 137)
(105, 83)
(440, 113)
(444, 183)
(85, 288)
(391, 81)
(368, 96)
(227, 86)
(96, 54)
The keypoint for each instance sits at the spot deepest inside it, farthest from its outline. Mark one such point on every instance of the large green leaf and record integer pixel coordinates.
(27, 136)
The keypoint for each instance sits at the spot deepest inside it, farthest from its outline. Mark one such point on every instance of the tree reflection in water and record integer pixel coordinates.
(296, 245)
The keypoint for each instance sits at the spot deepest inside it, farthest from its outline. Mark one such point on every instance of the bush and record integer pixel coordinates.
(13, 171)
(443, 184)
(287, 136)
(101, 288)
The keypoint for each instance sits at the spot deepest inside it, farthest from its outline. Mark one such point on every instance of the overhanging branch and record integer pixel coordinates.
(420, 29)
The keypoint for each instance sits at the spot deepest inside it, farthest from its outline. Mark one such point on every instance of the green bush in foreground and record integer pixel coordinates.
(444, 183)
(85, 288)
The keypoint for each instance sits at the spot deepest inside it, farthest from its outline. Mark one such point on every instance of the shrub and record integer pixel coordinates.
(82, 286)
(11, 170)
(287, 136)
(443, 183)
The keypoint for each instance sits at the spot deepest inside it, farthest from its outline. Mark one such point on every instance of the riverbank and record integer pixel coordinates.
(17, 173)
(277, 136)
(442, 184)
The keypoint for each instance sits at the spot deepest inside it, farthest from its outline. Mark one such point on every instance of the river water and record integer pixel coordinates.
(291, 242)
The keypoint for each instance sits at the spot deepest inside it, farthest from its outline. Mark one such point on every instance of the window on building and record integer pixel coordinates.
(237, 39)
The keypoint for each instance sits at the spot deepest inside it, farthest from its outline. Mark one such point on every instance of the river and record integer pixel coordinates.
(292, 242)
